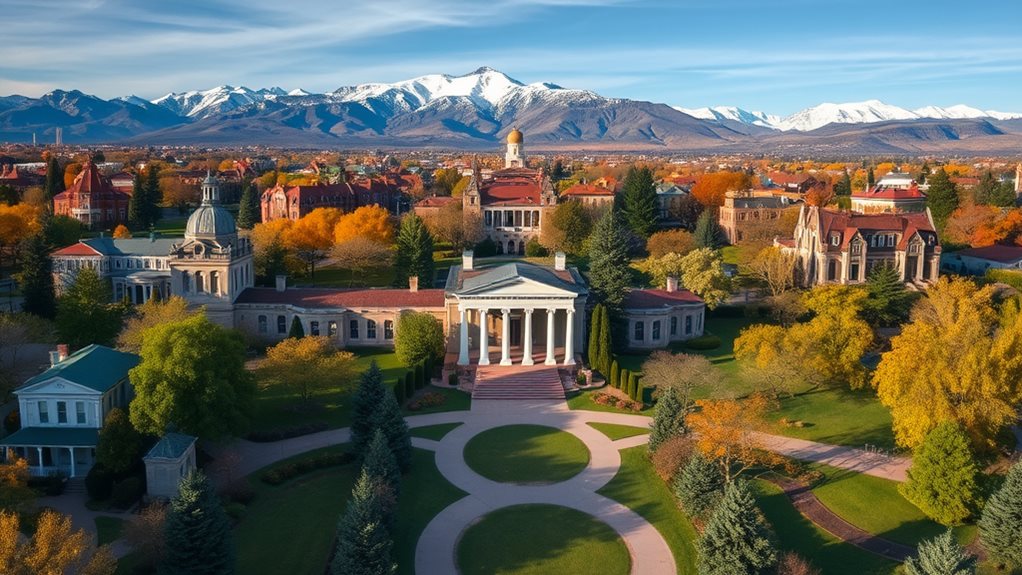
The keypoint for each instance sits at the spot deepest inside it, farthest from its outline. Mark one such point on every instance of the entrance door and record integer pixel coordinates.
(516, 331)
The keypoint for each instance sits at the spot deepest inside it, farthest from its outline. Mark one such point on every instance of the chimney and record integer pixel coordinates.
(54, 358)
(281, 282)
(560, 261)
(467, 260)
(413, 283)
(672, 284)
(62, 351)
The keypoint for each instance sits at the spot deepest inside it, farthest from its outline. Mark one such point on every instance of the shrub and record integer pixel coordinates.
(409, 383)
(580, 379)
(485, 249)
(399, 392)
(420, 376)
(633, 385)
(235, 510)
(279, 433)
(703, 343)
(285, 471)
(428, 399)
(240, 492)
(942, 479)
(127, 492)
(534, 249)
(622, 380)
(52, 484)
(670, 456)
(452, 379)
(794, 564)
(99, 483)
(612, 377)
(419, 336)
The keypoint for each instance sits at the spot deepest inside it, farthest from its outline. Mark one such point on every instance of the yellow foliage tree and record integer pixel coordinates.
(150, 314)
(54, 548)
(14, 490)
(308, 364)
(17, 223)
(725, 432)
(836, 338)
(370, 222)
(311, 236)
(122, 231)
(957, 360)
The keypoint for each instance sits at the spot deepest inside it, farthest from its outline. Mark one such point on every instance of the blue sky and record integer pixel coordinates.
(776, 56)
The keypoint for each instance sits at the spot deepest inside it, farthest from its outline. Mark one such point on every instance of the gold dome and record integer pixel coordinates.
(514, 136)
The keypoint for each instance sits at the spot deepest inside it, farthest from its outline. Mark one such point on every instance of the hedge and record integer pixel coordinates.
(622, 380)
(279, 433)
(286, 471)
(409, 384)
(399, 392)
(613, 373)
(703, 343)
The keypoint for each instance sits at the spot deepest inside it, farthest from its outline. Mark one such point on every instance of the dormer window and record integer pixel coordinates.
(890, 240)
(856, 247)
(835, 239)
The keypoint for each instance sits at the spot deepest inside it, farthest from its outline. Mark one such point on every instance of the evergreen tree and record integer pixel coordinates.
(296, 331)
(639, 206)
(606, 343)
(844, 186)
(364, 403)
(153, 196)
(924, 173)
(54, 180)
(85, 314)
(699, 486)
(708, 233)
(1000, 527)
(363, 544)
(248, 211)
(983, 191)
(414, 252)
(942, 479)
(870, 177)
(388, 419)
(941, 555)
(557, 171)
(614, 373)
(37, 278)
(119, 444)
(1003, 195)
(737, 539)
(608, 262)
(136, 205)
(379, 463)
(889, 302)
(941, 198)
(668, 418)
(198, 537)
(595, 337)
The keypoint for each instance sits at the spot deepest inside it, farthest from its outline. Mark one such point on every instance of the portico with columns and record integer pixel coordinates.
(517, 313)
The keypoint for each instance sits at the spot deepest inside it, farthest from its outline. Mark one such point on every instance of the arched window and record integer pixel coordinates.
(214, 283)
(388, 329)
(200, 284)
(510, 247)
(521, 247)
(186, 282)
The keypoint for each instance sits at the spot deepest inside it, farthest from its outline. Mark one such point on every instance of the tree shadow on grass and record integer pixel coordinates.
(529, 454)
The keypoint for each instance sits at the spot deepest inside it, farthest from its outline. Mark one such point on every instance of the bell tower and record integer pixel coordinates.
(515, 156)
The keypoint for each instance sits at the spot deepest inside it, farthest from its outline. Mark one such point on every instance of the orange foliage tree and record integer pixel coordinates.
(726, 429)
(710, 188)
(53, 548)
(369, 222)
(122, 231)
(17, 223)
(311, 236)
(967, 220)
(1006, 230)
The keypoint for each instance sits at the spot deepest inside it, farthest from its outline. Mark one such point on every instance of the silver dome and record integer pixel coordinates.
(210, 221)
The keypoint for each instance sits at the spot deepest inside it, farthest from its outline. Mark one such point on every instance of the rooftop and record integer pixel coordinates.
(170, 446)
(96, 367)
(344, 298)
(999, 254)
(53, 436)
(658, 298)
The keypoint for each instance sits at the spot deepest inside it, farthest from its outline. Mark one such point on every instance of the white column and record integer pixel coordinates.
(569, 337)
(484, 338)
(72, 450)
(505, 337)
(463, 338)
(527, 341)
(550, 326)
(39, 452)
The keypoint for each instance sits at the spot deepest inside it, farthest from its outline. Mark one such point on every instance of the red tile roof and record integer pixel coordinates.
(586, 190)
(513, 187)
(346, 298)
(435, 201)
(1000, 254)
(849, 223)
(658, 298)
(885, 193)
(79, 249)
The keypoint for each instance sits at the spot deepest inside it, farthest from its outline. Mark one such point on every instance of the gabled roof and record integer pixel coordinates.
(587, 190)
(996, 253)
(153, 247)
(170, 446)
(502, 274)
(96, 367)
(637, 299)
(847, 224)
(343, 298)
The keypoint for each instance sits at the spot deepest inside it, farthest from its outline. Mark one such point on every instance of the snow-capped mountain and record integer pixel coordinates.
(960, 111)
(734, 114)
(205, 103)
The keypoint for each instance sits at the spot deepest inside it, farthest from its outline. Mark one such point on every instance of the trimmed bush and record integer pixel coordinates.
(99, 483)
(420, 376)
(622, 380)
(633, 384)
(276, 434)
(52, 484)
(485, 249)
(399, 392)
(127, 492)
(285, 471)
(452, 379)
(614, 373)
(534, 249)
(703, 343)
(409, 383)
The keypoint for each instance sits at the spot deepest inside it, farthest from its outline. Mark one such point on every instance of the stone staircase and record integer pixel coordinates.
(517, 382)
(75, 485)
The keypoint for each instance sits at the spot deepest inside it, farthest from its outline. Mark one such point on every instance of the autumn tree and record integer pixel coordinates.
(638, 201)
(366, 222)
(941, 198)
(942, 479)
(710, 188)
(957, 360)
(414, 252)
(453, 226)
(725, 432)
(307, 365)
(17, 223)
(55, 547)
(85, 314)
(773, 362)
(670, 241)
(774, 268)
(444, 180)
(15, 493)
(836, 337)
(311, 236)
(152, 313)
(702, 272)
(568, 227)
(270, 252)
(121, 232)
(1004, 230)
(360, 255)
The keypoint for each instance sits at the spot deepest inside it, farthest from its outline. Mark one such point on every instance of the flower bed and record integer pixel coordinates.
(614, 401)
(428, 399)
(286, 471)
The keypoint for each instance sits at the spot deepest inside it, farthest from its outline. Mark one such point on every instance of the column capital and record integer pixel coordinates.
(570, 310)
(505, 311)
(528, 310)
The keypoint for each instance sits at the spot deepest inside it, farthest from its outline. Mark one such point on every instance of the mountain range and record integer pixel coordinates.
(475, 110)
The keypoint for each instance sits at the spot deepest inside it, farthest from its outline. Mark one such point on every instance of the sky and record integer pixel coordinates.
(775, 56)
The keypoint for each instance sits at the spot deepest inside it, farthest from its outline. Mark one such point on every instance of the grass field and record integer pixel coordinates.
(434, 432)
(108, 529)
(836, 416)
(615, 431)
(541, 539)
(532, 454)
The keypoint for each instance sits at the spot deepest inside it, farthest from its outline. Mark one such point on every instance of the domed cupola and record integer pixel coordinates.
(211, 221)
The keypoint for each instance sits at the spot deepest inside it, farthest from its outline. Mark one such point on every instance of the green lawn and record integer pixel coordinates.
(798, 534)
(108, 529)
(541, 539)
(615, 431)
(306, 510)
(874, 505)
(531, 454)
(335, 276)
(837, 416)
(434, 432)
(638, 487)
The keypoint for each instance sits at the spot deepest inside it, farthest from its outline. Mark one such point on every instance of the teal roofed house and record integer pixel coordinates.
(63, 408)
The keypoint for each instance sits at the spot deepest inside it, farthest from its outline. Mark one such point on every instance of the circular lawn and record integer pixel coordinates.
(532, 454)
(541, 539)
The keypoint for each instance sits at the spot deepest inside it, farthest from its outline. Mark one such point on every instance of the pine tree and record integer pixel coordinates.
(889, 302)
(639, 207)
(388, 419)
(609, 277)
(941, 555)
(153, 196)
(136, 205)
(870, 177)
(606, 343)
(248, 212)
(198, 537)
(381, 467)
(942, 479)
(699, 486)
(1000, 527)
(414, 252)
(668, 418)
(363, 544)
(844, 186)
(368, 396)
(37, 278)
(296, 331)
(708, 233)
(595, 337)
(941, 198)
(54, 180)
(737, 539)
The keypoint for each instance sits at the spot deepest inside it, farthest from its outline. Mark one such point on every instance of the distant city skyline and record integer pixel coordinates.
(777, 58)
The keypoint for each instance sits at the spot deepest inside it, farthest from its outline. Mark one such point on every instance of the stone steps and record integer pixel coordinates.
(517, 382)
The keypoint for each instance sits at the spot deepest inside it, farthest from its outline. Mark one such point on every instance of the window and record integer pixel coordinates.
(489, 219)
(331, 328)
(185, 283)
(656, 330)
(314, 327)
(80, 412)
(262, 324)
(890, 240)
(674, 325)
(639, 334)
(370, 329)
(388, 329)
(281, 324)
(214, 283)
(44, 412)
(835, 239)
(856, 247)
(688, 325)
(353, 329)
(61, 412)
